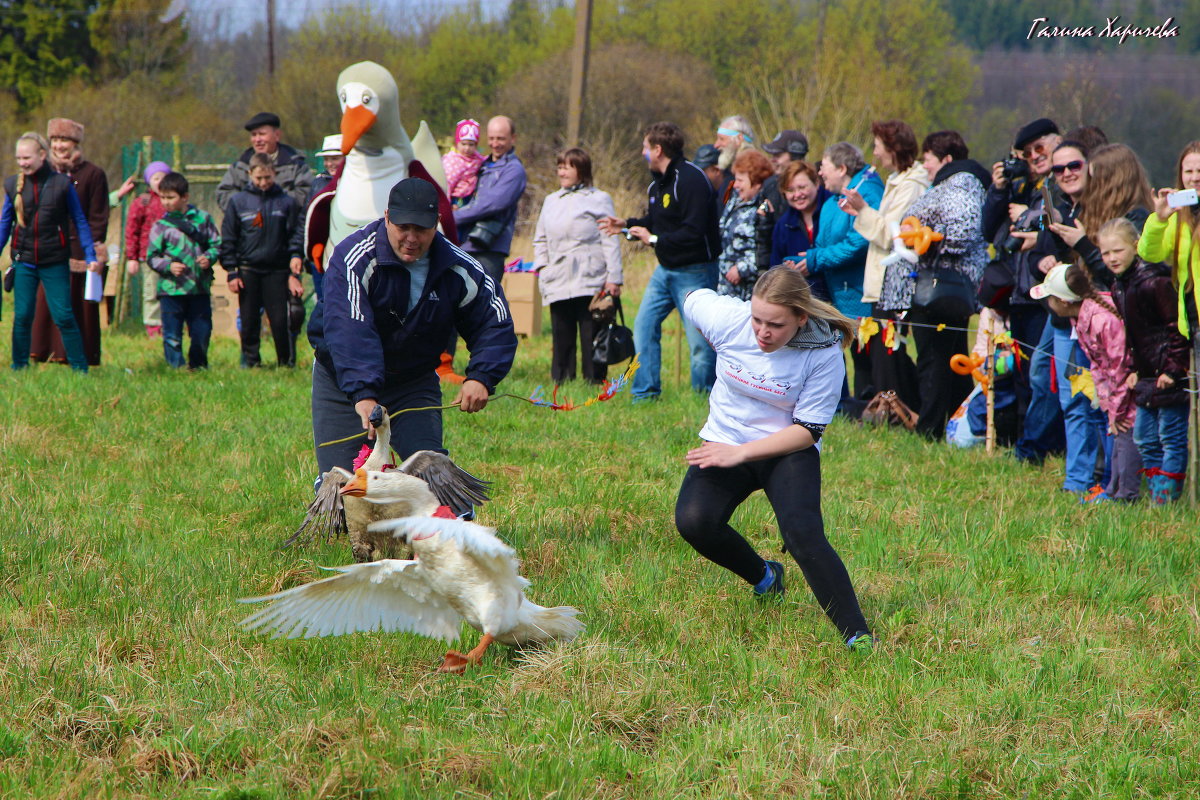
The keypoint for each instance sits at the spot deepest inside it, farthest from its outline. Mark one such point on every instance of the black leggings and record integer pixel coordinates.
(792, 483)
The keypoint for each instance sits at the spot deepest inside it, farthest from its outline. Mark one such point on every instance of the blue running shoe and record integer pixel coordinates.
(772, 583)
(861, 642)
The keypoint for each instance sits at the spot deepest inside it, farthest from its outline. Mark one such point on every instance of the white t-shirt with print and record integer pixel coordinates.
(757, 393)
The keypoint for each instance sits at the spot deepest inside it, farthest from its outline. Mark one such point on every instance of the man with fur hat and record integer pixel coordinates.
(91, 184)
(292, 173)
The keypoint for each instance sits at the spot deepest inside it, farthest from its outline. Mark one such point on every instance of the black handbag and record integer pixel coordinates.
(613, 343)
(10, 278)
(944, 293)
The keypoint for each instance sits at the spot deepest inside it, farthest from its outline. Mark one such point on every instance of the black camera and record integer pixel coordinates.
(1016, 172)
(1031, 221)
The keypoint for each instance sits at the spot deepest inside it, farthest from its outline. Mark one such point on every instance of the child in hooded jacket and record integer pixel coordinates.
(1100, 331)
(462, 163)
(1145, 295)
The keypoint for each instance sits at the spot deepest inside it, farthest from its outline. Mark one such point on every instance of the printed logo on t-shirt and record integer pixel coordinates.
(666, 200)
(753, 382)
(433, 298)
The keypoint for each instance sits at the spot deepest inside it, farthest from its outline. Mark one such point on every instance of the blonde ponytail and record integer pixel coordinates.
(19, 201)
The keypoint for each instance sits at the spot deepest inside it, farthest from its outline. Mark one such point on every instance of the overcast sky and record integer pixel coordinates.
(226, 17)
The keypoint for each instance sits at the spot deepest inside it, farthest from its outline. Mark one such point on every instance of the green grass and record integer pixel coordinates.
(1029, 647)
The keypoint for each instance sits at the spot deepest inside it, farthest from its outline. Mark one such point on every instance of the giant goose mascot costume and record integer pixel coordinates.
(378, 155)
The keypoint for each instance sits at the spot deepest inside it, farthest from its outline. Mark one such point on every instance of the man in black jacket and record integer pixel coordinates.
(395, 290)
(681, 226)
(1009, 209)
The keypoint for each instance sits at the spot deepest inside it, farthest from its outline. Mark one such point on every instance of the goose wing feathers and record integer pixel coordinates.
(388, 595)
(451, 484)
(326, 514)
(477, 541)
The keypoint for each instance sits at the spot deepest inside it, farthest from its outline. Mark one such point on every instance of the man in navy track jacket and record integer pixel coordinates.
(393, 292)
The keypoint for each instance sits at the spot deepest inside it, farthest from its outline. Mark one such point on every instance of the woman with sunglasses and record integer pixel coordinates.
(1115, 185)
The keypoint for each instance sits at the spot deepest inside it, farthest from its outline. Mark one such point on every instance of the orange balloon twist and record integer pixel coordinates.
(970, 365)
(918, 237)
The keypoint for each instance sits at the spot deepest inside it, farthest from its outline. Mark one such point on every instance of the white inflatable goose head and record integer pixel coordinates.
(370, 103)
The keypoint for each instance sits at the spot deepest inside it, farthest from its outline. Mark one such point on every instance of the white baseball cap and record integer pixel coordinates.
(331, 146)
(1055, 285)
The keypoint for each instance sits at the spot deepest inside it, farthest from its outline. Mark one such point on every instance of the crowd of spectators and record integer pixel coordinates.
(995, 234)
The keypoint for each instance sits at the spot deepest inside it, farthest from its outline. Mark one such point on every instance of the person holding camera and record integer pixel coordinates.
(1012, 210)
(487, 222)
(681, 225)
(574, 262)
(1170, 235)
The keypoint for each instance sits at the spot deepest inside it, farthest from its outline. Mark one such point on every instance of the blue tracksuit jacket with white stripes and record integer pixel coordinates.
(365, 332)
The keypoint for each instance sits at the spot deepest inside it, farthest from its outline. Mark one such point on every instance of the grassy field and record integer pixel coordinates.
(1031, 648)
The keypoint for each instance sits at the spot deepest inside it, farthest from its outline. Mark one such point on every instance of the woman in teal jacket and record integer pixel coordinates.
(840, 252)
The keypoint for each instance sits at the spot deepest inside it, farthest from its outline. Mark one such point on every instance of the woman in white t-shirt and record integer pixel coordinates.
(779, 380)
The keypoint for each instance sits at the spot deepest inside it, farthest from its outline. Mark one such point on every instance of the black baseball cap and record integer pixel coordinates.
(706, 156)
(413, 201)
(792, 142)
(262, 118)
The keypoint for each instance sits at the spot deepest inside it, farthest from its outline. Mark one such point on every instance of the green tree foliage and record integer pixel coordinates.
(626, 92)
(303, 90)
(857, 61)
(130, 36)
(43, 44)
(728, 34)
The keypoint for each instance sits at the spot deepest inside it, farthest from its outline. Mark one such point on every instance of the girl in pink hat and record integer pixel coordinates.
(462, 163)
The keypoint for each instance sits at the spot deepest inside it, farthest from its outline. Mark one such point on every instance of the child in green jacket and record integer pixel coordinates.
(183, 247)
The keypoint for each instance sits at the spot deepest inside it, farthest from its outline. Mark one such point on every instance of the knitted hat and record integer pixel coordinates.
(467, 129)
(155, 167)
(63, 128)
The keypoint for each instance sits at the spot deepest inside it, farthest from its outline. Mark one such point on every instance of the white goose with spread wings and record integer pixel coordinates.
(461, 572)
(351, 501)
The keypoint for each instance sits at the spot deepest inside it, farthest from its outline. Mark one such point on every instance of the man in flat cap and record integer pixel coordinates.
(292, 172)
(91, 185)
(395, 290)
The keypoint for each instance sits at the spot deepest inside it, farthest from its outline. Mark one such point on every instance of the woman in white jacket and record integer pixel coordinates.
(895, 152)
(574, 260)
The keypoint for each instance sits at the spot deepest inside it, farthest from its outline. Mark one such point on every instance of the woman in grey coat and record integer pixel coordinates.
(574, 261)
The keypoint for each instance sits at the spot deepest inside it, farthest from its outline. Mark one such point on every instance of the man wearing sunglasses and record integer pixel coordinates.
(1010, 220)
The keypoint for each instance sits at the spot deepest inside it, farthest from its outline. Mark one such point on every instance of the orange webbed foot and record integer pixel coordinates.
(455, 663)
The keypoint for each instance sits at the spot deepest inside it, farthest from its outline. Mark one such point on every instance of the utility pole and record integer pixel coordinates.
(271, 38)
(579, 67)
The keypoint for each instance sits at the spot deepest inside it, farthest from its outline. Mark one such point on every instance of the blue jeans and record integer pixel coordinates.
(196, 311)
(1085, 426)
(665, 292)
(1161, 437)
(56, 281)
(1042, 431)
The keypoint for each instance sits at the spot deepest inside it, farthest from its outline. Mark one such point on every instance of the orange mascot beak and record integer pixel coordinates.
(355, 122)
